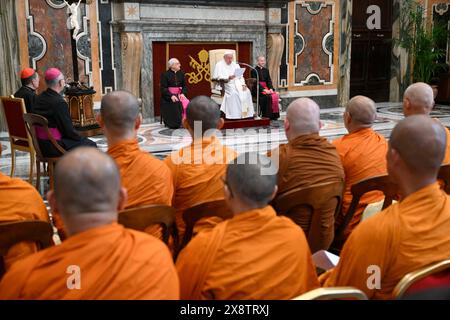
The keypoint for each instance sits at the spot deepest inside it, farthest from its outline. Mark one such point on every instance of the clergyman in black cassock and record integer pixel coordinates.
(268, 108)
(171, 106)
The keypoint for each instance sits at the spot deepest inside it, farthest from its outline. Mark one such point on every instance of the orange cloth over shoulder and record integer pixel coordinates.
(254, 255)
(404, 237)
(305, 161)
(147, 179)
(110, 262)
(19, 202)
(363, 155)
(197, 172)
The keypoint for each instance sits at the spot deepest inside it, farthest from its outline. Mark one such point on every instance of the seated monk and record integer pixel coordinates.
(254, 255)
(146, 178)
(19, 202)
(197, 169)
(363, 155)
(100, 259)
(419, 99)
(308, 159)
(407, 235)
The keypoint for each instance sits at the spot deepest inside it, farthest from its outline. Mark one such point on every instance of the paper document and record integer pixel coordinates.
(325, 260)
(239, 72)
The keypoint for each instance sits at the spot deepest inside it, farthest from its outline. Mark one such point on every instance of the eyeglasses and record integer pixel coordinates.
(228, 186)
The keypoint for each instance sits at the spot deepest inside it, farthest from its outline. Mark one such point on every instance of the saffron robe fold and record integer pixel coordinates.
(197, 172)
(147, 179)
(404, 237)
(303, 162)
(254, 255)
(363, 155)
(108, 262)
(20, 202)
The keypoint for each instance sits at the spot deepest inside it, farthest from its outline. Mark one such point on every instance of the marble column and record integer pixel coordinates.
(400, 64)
(345, 28)
(131, 61)
(275, 43)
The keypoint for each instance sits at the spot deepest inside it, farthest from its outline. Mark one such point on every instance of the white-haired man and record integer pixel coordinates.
(173, 95)
(237, 102)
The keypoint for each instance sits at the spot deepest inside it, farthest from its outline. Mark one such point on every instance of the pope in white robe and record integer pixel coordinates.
(237, 101)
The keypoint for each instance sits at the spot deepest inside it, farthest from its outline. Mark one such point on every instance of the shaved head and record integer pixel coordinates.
(418, 99)
(421, 143)
(86, 181)
(303, 116)
(204, 109)
(246, 181)
(362, 111)
(119, 111)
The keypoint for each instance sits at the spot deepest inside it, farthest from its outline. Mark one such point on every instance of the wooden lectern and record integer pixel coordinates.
(80, 97)
(81, 107)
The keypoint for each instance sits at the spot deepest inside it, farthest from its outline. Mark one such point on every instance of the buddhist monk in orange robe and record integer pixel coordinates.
(410, 234)
(255, 254)
(100, 259)
(198, 169)
(19, 202)
(363, 155)
(419, 99)
(147, 179)
(308, 159)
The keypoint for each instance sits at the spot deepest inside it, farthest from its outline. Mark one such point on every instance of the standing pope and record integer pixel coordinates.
(237, 102)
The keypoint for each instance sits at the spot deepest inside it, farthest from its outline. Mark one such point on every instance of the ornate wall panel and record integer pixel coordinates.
(314, 43)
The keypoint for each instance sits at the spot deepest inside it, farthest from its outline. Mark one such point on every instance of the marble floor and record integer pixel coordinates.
(160, 141)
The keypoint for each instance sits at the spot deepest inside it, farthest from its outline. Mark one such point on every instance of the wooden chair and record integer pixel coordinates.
(444, 176)
(34, 120)
(19, 138)
(12, 233)
(217, 208)
(333, 293)
(142, 217)
(315, 199)
(378, 183)
(250, 83)
(432, 276)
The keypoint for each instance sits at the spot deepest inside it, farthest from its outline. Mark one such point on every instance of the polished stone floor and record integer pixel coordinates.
(160, 141)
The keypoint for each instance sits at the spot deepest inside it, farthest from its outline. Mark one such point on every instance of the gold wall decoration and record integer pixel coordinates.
(201, 68)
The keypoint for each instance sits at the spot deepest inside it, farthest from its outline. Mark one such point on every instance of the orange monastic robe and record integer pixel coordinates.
(197, 172)
(254, 255)
(447, 150)
(147, 179)
(108, 262)
(303, 162)
(402, 238)
(19, 201)
(363, 155)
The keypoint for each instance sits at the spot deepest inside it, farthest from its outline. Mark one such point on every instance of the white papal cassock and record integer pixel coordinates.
(237, 101)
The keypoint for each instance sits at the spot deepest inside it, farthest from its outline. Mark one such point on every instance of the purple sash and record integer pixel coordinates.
(275, 98)
(42, 134)
(184, 101)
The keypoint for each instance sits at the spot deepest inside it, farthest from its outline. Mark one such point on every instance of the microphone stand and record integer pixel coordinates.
(257, 117)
